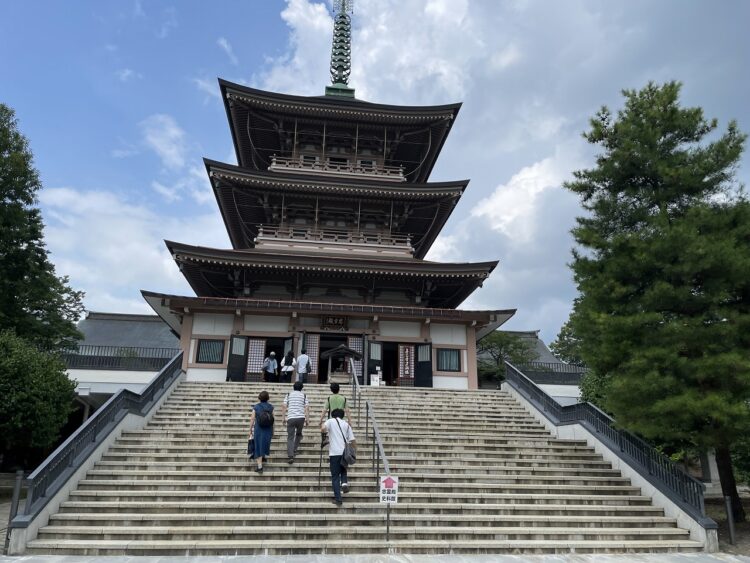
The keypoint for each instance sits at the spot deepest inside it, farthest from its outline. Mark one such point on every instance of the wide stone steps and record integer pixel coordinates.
(343, 547)
(477, 473)
(476, 490)
(325, 507)
(360, 519)
(449, 533)
(315, 495)
(240, 458)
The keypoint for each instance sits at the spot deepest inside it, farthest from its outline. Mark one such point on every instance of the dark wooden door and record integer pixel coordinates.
(423, 366)
(237, 363)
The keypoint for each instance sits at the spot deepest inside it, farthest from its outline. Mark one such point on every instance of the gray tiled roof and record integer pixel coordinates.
(532, 336)
(118, 329)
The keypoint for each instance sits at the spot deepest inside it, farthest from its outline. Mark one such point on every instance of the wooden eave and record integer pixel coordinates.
(327, 184)
(340, 108)
(178, 304)
(321, 262)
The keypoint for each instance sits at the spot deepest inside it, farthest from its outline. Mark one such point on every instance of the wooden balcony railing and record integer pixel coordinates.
(373, 170)
(333, 235)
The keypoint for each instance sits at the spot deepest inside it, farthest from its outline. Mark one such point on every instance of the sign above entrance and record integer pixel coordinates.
(333, 323)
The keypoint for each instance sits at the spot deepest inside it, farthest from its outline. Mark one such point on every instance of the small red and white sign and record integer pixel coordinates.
(389, 489)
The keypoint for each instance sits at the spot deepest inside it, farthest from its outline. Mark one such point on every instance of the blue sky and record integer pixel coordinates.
(120, 103)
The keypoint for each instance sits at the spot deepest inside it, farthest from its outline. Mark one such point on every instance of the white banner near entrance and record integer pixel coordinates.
(389, 489)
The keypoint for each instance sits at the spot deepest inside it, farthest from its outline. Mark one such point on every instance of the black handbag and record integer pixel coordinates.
(251, 448)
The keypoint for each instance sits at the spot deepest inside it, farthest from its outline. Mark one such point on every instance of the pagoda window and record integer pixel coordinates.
(310, 159)
(448, 359)
(338, 161)
(368, 164)
(210, 352)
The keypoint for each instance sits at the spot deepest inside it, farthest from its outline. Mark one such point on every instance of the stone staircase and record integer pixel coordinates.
(477, 475)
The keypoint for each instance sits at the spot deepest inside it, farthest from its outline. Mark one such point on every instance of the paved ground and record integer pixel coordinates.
(656, 558)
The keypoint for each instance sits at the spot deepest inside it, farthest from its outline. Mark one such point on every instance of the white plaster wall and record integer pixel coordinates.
(448, 334)
(266, 323)
(108, 388)
(211, 375)
(562, 390)
(212, 324)
(448, 382)
(396, 328)
(85, 376)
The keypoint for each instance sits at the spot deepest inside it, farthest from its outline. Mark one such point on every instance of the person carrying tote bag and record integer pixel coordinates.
(340, 438)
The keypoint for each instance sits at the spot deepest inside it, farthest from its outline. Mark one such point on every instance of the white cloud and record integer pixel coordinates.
(209, 87)
(169, 22)
(227, 48)
(512, 207)
(127, 74)
(506, 57)
(165, 137)
(303, 70)
(111, 247)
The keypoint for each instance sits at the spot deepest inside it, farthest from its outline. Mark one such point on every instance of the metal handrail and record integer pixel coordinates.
(377, 444)
(356, 393)
(60, 465)
(683, 489)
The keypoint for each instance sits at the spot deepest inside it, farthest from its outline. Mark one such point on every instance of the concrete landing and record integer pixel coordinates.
(595, 558)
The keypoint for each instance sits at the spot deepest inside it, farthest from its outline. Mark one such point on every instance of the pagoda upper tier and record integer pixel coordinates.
(262, 208)
(335, 135)
(327, 276)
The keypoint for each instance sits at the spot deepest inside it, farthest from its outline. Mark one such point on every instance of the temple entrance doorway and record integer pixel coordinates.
(328, 342)
(390, 363)
(278, 345)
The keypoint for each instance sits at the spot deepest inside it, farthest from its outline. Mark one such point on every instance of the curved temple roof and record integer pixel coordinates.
(263, 124)
(223, 273)
(239, 192)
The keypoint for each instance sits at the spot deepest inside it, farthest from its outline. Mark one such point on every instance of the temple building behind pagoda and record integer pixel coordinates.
(330, 213)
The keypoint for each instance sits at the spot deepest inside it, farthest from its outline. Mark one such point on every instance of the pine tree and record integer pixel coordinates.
(663, 272)
(34, 302)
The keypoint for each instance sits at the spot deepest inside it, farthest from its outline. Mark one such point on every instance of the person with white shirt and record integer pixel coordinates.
(339, 434)
(296, 411)
(303, 366)
(288, 363)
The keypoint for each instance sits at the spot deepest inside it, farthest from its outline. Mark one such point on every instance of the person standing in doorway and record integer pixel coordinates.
(296, 411)
(270, 367)
(261, 429)
(303, 366)
(339, 434)
(288, 363)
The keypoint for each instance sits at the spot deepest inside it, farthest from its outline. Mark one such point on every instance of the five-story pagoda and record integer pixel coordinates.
(330, 214)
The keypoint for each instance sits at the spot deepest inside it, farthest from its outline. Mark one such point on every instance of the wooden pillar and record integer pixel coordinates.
(471, 352)
(185, 338)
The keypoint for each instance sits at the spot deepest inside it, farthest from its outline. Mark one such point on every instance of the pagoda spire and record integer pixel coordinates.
(341, 51)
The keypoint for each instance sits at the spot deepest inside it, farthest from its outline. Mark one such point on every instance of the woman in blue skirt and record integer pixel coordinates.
(261, 429)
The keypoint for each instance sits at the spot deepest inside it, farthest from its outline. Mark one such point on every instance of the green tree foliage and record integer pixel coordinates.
(663, 273)
(34, 302)
(567, 346)
(498, 347)
(36, 396)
